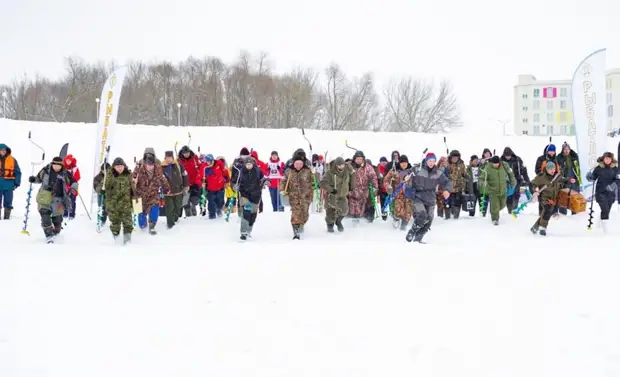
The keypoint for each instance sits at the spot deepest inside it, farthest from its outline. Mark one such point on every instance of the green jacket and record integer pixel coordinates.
(118, 191)
(553, 190)
(494, 181)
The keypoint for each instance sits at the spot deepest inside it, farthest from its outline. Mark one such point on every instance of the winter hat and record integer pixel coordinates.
(299, 157)
(565, 145)
(608, 154)
(244, 152)
(430, 156)
(339, 161)
(403, 158)
(274, 153)
(149, 159)
(315, 157)
(455, 153)
(550, 165)
(118, 162)
(209, 158)
(550, 148)
(359, 154)
(495, 160)
(184, 150)
(169, 154)
(473, 157)
(57, 161)
(383, 159)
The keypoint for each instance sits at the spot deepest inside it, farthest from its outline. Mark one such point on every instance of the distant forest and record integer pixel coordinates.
(247, 93)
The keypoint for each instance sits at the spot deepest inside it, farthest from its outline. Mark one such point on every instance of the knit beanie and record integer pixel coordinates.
(430, 156)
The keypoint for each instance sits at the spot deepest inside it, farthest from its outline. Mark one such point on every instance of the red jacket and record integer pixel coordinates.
(70, 164)
(383, 170)
(274, 171)
(261, 165)
(216, 176)
(193, 168)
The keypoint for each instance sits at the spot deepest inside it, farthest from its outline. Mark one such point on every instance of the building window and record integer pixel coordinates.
(608, 98)
(610, 111)
(524, 108)
(608, 84)
(563, 130)
(549, 105)
(524, 132)
(563, 117)
(524, 120)
(550, 92)
(536, 130)
(550, 117)
(563, 92)
(524, 96)
(536, 93)
(536, 105)
(536, 118)
(549, 130)
(563, 104)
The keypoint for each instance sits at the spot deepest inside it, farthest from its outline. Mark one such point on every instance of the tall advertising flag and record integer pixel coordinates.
(108, 113)
(588, 94)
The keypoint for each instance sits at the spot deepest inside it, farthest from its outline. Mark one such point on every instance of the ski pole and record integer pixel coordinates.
(84, 205)
(29, 195)
(445, 142)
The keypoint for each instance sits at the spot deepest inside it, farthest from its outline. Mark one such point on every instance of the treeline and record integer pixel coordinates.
(247, 93)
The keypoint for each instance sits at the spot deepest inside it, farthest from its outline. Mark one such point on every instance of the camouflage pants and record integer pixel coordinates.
(335, 208)
(403, 208)
(120, 217)
(300, 210)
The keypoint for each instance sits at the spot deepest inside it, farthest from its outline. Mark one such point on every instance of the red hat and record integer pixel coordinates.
(430, 156)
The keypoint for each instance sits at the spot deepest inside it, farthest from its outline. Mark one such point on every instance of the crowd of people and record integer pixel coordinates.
(408, 193)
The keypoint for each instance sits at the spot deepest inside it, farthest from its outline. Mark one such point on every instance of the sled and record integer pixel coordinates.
(573, 200)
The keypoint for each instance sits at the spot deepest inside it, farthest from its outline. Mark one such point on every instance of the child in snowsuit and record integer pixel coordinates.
(298, 184)
(179, 185)
(70, 164)
(53, 198)
(250, 189)
(118, 193)
(147, 180)
(494, 180)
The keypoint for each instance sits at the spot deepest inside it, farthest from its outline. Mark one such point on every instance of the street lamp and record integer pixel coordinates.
(97, 100)
(4, 97)
(256, 117)
(179, 114)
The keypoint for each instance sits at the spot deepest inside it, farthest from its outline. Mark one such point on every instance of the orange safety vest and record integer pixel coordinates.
(8, 168)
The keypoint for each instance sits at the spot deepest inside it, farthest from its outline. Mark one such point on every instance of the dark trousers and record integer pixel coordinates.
(215, 203)
(6, 199)
(476, 192)
(70, 212)
(605, 200)
(52, 225)
(456, 200)
(512, 201)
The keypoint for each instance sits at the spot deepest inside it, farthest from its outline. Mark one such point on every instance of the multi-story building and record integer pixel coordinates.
(544, 107)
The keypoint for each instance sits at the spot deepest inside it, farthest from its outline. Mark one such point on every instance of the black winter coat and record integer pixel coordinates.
(516, 164)
(251, 184)
(607, 178)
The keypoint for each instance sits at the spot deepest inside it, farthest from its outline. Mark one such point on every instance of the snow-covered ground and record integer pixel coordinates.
(477, 300)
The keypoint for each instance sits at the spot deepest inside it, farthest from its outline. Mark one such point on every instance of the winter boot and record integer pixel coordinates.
(339, 224)
(495, 222)
(7, 213)
(542, 231)
(603, 224)
(534, 228)
(49, 239)
(330, 228)
(412, 232)
(396, 222)
(152, 230)
(420, 233)
(456, 212)
(296, 234)
(126, 238)
(447, 212)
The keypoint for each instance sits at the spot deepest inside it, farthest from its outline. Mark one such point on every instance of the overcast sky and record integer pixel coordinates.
(481, 45)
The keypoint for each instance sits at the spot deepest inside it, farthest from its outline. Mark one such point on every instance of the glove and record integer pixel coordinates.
(589, 176)
(32, 179)
(236, 188)
(15, 187)
(73, 192)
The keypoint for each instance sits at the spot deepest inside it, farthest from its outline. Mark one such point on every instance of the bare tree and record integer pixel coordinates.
(213, 93)
(350, 103)
(416, 106)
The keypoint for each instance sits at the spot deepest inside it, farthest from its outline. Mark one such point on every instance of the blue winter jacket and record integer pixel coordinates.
(9, 184)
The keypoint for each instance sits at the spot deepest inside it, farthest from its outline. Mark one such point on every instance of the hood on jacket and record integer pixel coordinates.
(486, 150)
(69, 161)
(393, 153)
(4, 146)
(614, 162)
(454, 153)
(183, 150)
(550, 148)
(509, 152)
(254, 155)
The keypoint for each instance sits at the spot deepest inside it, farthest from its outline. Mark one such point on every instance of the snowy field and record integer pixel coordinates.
(477, 300)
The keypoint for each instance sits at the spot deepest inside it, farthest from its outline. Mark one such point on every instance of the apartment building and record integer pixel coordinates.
(544, 107)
